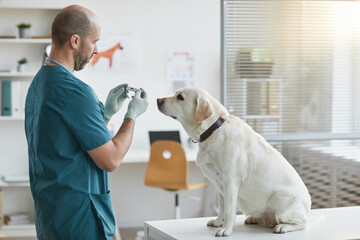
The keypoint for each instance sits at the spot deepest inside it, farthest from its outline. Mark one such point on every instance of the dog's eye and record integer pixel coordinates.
(180, 97)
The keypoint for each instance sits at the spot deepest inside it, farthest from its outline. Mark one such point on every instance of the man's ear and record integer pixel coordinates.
(75, 41)
(203, 110)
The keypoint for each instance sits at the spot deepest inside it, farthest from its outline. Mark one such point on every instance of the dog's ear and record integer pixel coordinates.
(203, 110)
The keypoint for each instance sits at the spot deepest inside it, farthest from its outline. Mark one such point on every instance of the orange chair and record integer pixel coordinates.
(169, 172)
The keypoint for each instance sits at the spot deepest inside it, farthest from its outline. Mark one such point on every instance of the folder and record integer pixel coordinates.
(24, 89)
(1, 209)
(16, 98)
(6, 98)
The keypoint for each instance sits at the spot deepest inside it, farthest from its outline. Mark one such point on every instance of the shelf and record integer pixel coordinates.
(26, 40)
(32, 4)
(18, 227)
(17, 74)
(261, 117)
(142, 155)
(18, 231)
(311, 136)
(14, 181)
(11, 118)
(13, 185)
(261, 79)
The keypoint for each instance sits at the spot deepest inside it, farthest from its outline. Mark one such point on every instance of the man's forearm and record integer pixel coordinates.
(109, 156)
(123, 138)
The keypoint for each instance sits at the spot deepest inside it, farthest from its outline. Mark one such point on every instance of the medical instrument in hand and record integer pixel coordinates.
(115, 100)
(137, 105)
(131, 89)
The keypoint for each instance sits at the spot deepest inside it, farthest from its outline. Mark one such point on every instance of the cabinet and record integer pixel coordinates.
(262, 104)
(13, 147)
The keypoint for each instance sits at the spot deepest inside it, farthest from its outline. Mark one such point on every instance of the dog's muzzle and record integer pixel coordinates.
(160, 102)
(160, 105)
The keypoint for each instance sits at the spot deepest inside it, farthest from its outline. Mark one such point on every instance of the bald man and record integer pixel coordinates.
(70, 148)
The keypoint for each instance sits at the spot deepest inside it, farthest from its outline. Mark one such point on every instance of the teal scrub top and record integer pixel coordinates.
(63, 120)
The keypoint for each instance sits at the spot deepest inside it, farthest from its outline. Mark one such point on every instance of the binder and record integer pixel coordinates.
(24, 89)
(1, 209)
(6, 98)
(16, 98)
(0, 97)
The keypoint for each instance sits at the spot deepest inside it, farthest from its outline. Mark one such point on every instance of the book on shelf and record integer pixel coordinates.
(6, 98)
(1, 209)
(17, 219)
(13, 96)
(23, 93)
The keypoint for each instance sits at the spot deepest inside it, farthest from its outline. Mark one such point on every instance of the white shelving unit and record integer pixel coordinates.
(14, 185)
(22, 75)
(24, 232)
(266, 113)
(38, 4)
(13, 146)
(25, 41)
(9, 118)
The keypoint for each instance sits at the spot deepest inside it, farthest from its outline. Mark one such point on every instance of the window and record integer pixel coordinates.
(291, 70)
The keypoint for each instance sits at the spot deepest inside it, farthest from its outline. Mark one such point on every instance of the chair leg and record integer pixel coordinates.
(177, 206)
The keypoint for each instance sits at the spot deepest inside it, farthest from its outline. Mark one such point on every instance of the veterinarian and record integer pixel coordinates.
(70, 148)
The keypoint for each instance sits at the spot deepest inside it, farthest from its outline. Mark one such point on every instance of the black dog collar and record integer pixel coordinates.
(212, 128)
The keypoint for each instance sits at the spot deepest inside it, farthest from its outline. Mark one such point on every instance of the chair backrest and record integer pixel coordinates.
(164, 135)
(167, 172)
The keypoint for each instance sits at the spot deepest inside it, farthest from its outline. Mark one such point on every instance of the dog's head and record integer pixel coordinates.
(191, 106)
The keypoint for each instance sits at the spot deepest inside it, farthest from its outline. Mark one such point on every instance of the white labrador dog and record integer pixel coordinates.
(247, 172)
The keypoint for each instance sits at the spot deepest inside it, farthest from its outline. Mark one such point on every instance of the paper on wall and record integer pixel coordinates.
(180, 69)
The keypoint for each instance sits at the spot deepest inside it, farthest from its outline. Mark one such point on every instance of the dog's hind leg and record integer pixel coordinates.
(219, 221)
(251, 220)
(291, 217)
(290, 225)
(267, 219)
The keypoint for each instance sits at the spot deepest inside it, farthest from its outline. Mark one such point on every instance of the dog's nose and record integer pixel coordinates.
(160, 101)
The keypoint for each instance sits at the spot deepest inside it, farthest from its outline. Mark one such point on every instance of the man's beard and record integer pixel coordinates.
(80, 60)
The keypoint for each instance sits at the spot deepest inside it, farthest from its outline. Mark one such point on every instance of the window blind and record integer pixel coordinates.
(291, 70)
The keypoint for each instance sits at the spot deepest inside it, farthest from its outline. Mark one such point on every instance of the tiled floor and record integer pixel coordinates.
(132, 233)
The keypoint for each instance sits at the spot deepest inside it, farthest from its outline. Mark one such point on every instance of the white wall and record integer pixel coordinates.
(158, 26)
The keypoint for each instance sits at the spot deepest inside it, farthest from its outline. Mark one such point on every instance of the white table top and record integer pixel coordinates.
(142, 155)
(328, 224)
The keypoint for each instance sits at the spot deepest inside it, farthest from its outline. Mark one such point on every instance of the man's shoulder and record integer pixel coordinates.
(64, 79)
(62, 83)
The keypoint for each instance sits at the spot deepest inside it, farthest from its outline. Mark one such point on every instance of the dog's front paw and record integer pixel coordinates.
(223, 232)
(281, 228)
(218, 222)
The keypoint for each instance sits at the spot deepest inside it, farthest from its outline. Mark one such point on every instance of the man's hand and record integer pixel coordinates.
(137, 105)
(115, 100)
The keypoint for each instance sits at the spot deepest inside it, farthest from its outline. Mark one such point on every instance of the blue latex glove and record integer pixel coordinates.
(115, 100)
(137, 105)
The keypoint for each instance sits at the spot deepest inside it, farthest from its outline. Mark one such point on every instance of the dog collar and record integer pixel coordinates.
(212, 128)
